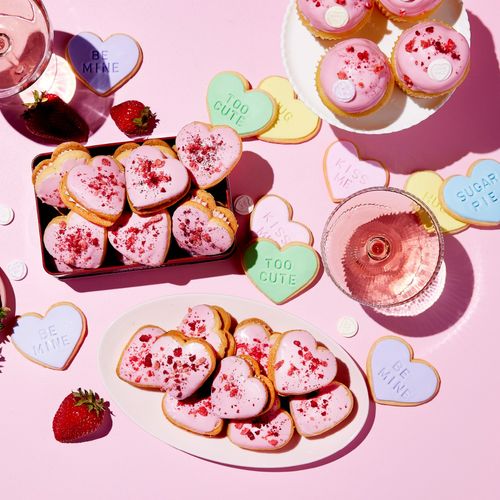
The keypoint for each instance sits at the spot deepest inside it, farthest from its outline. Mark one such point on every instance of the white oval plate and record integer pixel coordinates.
(301, 52)
(144, 407)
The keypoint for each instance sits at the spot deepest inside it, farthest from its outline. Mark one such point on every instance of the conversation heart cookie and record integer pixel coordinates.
(267, 432)
(296, 123)
(231, 102)
(280, 273)
(193, 414)
(142, 240)
(239, 391)
(426, 185)
(209, 153)
(345, 173)
(272, 218)
(474, 198)
(154, 181)
(95, 191)
(396, 378)
(74, 241)
(104, 65)
(321, 411)
(51, 340)
(204, 322)
(47, 175)
(298, 365)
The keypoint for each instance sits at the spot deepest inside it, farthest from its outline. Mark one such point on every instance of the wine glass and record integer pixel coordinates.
(25, 44)
(383, 247)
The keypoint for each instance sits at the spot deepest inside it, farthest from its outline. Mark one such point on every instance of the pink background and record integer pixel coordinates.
(445, 449)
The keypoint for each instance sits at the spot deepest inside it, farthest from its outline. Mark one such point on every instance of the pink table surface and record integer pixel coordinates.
(447, 449)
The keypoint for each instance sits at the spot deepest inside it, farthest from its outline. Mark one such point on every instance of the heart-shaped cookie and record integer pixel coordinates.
(47, 175)
(202, 228)
(345, 173)
(204, 322)
(268, 432)
(154, 181)
(104, 65)
(75, 241)
(238, 391)
(320, 411)
(475, 198)
(124, 150)
(296, 123)
(142, 240)
(297, 365)
(272, 218)
(51, 340)
(231, 102)
(254, 338)
(396, 378)
(96, 191)
(193, 414)
(280, 273)
(426, 185)
(209, 153)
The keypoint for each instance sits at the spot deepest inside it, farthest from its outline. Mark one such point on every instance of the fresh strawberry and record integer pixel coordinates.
(133, 118)
(81, 413)
(50, 118)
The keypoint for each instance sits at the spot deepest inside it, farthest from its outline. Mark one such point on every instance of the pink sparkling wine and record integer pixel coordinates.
(383, 248)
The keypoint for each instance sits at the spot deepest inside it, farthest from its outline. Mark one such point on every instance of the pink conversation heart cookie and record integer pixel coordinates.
(154, 181)
(317, 413)
(193, 414)
(345, 173)
(297, 365)
(209, 153)
(238, 391)
(95, 191)
(74, 241)
(268, 432)
(204, 322)
(142, 240)
(272, 218)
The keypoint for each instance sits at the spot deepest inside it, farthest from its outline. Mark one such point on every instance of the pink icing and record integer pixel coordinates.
(99, 187)
(135, 364)
(194, 414)
(203, 322)
(410, 8)
(268, 432)
(362, 63)
(253, 340)
(143, 240)
(47, 189)
(319, 412)
(420, 45)
(300, 366)
(75, 241)
(209, 153)
(236, 393)
(154, 179)
(198, 233)
(314, 11)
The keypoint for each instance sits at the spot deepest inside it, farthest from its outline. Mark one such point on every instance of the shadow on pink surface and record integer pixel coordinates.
(449, 308)
(91, 107)
(9, 321)
(467, 123)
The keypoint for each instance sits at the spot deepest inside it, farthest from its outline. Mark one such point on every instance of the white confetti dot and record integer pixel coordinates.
(6, 215)
(17, 270)
(347, 326)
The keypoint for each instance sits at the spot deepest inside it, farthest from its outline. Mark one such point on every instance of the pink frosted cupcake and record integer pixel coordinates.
(430, 59)
(354, 78)
(408, 10)
(332, 19)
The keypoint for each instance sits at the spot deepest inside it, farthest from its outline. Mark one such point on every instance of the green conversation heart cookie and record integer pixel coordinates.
(280, 273)
(231, 102)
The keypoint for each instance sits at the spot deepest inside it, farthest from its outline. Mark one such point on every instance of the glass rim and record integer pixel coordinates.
(435, 223)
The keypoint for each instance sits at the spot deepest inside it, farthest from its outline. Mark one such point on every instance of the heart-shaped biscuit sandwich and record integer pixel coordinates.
(124, 150)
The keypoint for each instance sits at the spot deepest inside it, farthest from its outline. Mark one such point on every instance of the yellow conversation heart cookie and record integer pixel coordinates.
(296, 122)
(426, 185)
